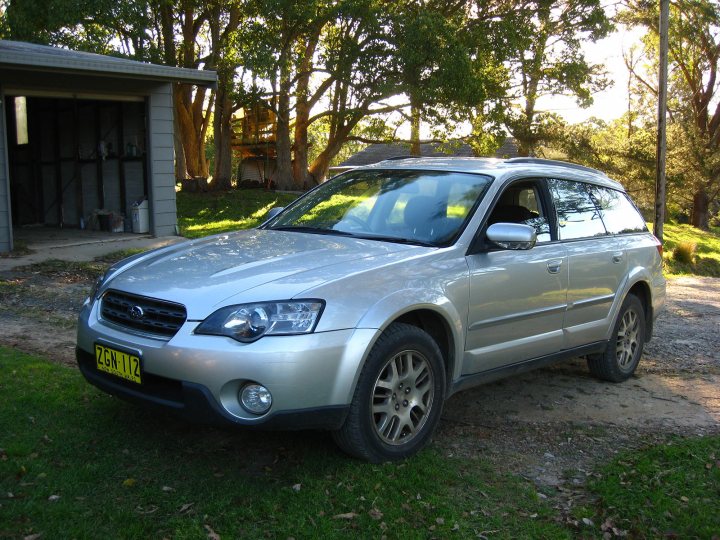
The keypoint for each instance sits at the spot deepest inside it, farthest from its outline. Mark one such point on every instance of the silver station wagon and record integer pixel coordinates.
(368, 301)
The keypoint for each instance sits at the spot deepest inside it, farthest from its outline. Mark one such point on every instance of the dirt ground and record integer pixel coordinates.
(553, 426)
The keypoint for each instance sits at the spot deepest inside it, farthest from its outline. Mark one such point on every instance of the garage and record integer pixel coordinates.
(86, 141)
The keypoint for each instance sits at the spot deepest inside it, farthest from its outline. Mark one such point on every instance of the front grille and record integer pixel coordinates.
(141, 313)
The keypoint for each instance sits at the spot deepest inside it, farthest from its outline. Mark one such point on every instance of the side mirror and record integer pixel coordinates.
(274, 212)
(511, 235)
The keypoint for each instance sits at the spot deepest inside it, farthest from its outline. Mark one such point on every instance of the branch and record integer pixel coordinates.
(362, 109)
(399, 141)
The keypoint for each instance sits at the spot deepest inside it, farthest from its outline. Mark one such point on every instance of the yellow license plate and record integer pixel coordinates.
(118, 363)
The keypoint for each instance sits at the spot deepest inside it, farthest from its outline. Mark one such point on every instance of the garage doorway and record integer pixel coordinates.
(76, 163)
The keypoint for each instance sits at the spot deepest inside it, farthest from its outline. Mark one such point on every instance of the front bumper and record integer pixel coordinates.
(311, 377)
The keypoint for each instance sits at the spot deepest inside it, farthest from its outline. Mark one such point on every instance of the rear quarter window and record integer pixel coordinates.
(578, 216)
(617, 211)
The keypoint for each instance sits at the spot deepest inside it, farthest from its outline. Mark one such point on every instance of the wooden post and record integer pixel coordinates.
(660, 181)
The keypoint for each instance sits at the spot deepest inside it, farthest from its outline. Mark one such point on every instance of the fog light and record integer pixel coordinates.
(255, 398)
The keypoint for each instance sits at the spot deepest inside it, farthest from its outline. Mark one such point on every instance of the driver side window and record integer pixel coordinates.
(521, 203)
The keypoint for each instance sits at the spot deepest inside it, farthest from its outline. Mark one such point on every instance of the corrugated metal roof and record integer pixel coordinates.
(382, 151)
(18, 54)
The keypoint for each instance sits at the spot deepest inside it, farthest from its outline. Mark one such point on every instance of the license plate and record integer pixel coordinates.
(118, 363)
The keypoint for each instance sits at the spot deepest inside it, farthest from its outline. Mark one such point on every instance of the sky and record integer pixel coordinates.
(612, 102)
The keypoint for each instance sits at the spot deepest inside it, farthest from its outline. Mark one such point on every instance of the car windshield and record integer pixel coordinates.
(419, 207)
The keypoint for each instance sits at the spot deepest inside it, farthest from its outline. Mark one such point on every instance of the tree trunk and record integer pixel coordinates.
(222, 131)
(414, 129)
(700, 211)
(191, 129)
(180, 165)
(302, 112)
(300, 165)
(283, 172)
(321, 165)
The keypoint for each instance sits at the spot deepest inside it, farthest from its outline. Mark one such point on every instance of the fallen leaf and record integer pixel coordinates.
(348, 515)
(375, 513)
(129, 482)
(212, 535)
(147, 511)
(296, 487)
(167, 489)
(684, 499)
(32, 536)
(54, 498)
(588, 522)
(440, 521)
(185, 507)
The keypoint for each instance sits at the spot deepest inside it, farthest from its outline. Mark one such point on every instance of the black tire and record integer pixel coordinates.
(405, 362)
(625, 347)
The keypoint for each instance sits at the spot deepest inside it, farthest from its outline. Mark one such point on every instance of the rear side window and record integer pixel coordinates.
(578, 217)
(617, 212)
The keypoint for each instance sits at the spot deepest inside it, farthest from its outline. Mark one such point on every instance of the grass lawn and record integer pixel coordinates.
(670, 491)
(202, 214)
(707, 259)
(76, 463)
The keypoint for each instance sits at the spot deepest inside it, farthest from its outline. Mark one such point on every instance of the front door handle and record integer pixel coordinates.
(554, 266)
(617, 257)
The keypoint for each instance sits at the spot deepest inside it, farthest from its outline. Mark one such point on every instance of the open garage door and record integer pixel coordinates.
(73, 160)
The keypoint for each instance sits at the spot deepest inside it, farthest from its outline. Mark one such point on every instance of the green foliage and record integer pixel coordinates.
(70, 451)
(666, 491)
(693, 90)
(546, 58)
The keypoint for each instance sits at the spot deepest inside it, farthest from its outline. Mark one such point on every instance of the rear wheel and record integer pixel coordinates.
(398, 398)
(624, 349)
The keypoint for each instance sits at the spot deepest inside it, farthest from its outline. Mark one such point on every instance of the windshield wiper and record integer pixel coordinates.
(395, 239)
(336, 232)
(311, 230)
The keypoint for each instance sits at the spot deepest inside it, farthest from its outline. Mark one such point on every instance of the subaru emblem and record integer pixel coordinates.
(136, 313)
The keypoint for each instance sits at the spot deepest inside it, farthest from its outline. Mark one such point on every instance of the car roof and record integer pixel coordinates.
(500, 168)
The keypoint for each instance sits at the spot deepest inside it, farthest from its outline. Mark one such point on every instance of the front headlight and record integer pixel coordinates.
(249, 322)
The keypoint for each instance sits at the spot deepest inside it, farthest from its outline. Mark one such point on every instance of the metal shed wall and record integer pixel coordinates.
(161, 159)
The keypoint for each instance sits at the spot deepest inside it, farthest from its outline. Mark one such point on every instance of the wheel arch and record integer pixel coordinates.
(641, 289)
(438, 328)
(432, 313)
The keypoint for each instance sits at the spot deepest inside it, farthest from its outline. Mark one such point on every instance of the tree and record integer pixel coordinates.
(548, 60)
(694, 56)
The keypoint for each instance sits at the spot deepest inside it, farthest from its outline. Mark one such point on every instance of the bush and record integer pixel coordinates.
(684, 252)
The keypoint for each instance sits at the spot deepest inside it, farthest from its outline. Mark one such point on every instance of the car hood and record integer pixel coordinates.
(239, 267)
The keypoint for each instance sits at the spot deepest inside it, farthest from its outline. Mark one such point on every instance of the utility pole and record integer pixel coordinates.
(660, 180)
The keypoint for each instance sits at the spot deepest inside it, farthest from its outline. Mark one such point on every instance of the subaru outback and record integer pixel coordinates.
(362, 306)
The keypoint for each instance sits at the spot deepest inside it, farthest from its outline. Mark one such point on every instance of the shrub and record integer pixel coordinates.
(684, 252)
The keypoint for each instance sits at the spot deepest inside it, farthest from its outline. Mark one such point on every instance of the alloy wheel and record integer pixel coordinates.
(402, 397)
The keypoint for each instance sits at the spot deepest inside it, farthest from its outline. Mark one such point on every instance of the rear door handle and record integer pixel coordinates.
(617, 257)
(554, 266)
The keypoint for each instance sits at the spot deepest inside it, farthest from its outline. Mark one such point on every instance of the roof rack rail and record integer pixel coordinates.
(554, 162)
(398, 158)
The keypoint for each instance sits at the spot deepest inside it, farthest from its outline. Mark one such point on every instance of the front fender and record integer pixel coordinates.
(394, 306)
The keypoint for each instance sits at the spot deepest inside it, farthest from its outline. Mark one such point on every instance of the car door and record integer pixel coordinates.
(596, 262)
(517, 298)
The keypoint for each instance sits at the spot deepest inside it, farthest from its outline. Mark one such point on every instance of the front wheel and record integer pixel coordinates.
(625, 347)
(398, 398)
